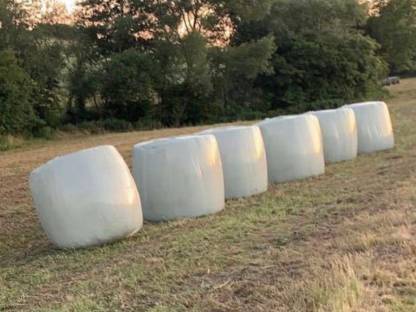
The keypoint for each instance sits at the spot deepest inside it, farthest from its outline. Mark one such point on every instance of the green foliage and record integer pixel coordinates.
(44, 132)
(394, 28)
(331, 70)
(126, 86)
(235, 70)
(99, 126)
(13, 26)
(147, 64)
(44, 62)
(187, 86)
(323, 60)
(83, 79)
(32, 64)
(10, 141)
(179, 36)
(16, 89)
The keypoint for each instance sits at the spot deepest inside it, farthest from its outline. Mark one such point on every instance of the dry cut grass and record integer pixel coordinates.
(345, 241)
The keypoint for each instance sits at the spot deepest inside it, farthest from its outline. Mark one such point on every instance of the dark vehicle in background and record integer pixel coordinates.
(391, 81)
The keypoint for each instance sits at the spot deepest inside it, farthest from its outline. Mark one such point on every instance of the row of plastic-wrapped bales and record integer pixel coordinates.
(90, 197)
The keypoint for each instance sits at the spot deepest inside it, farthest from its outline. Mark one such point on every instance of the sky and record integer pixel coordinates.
(70, 5)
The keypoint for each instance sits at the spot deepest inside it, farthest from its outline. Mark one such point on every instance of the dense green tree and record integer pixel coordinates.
(115, 25)
(39, 52)
(394, 26)
(324, 72)
(323, 59)
(186, 75)
(12, 21)
(83, 79)
(187, 42)
(127, 86)
(44, 61)
(16, 88)
(176, 62)
(235, 70)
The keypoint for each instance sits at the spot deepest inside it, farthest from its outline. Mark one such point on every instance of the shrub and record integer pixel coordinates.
(8, 141)
(99, 126)
(127, 87)
(147, 124)
(116, 125)
(69, 128)
(44, 132)
(92, 127)
(16, 110)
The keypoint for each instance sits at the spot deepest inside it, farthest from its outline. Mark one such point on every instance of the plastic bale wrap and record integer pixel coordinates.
(243, 160)
(375, 131)
(294, 147)
(179, 177)
(339, 133)
(86, 198)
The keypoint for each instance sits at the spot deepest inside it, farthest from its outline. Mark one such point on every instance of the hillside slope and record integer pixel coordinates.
(345, 241)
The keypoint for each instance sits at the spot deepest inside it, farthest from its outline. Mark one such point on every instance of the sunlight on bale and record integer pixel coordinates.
(375, 131)
(243, 159)
(294, 147)
(339, 133)
(179, 177)
(86, 198)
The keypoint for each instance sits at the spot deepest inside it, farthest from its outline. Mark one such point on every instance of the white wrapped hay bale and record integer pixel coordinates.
(243, 160)
(179, 177)
(375, 131)
(293, 147)
(86, 198)
(339, 133)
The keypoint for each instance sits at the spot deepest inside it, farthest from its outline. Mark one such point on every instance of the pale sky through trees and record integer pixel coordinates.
(69, 4)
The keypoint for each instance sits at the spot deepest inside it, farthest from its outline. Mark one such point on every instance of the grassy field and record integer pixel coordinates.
(345, 241)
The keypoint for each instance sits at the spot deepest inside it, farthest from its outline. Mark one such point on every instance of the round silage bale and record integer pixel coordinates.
(339, 133)
(375, 131)
(179, 177)
(243, 160)
(293, 147)
(86, 198)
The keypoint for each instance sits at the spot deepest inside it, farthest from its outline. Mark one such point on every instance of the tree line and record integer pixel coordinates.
(128, 64)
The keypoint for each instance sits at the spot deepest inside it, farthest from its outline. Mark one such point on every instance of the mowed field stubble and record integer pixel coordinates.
(345, 241)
